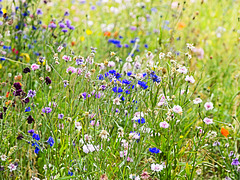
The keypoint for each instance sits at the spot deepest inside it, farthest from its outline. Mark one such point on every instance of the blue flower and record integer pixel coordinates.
(118, 75)
(70, 173)
(154, 150)
(28, 109)
(50, 141)
(143, 84)
(125, 81)
(129, 73)
(100, 77)
(112, 71)
(117, 90)
(36, 136)
(141, 121)
(36, 150)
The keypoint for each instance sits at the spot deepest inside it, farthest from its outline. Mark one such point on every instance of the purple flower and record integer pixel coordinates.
(26, 70)
(66, 13)
(52, 25)
(60, 116)
(39, 12)
(47, 110)
(235, 162)
(68, 22)
(31, 131)
(17, 92)
(31, 93)
(62, 25)
(71, 27)
(64, 30)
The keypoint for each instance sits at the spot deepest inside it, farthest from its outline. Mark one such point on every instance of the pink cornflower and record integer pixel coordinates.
(145, 175)
(164, 124)
(208, 121)
(190, 79)
(208, 106)
(71, 70)
(35, 67)
(182, 70)
(177, 109)
(111, 64)
(66, 58)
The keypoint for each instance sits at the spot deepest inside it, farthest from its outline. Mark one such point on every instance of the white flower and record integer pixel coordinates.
(78, 125)
(3, 157)
(208, 106)
(161, 55)
(177, 109)
(116, 101)
(12, 167)
(190, 79)
(197, 101)
(182, 70)
(169, 54)
(156, 167)
(104, 134)
(190, 46)
(59, 49)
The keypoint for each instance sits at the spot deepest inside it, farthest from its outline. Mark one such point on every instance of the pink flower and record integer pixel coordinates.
(177, 109)
(197, 101)
(145, 175)
(71, 70)
(208, 121)
(111, 64)
(182, 70)
(208, 106)
(174, 5)
(66, 58)
(164, 124)
(190, 79)
(79, 71)
(35, 67)
(199, 52)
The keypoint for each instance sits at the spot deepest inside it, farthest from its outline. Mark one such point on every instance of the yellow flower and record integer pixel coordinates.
(0, 66)
(181, 137)
(82, 38)
(89, 32)
(41, 63)
(4, 11)
(26, 56)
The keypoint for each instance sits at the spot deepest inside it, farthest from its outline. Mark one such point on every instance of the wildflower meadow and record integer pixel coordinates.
(119, 89)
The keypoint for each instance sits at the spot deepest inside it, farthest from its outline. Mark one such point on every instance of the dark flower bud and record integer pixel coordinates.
(26, 70)
(48, 80)
(30, 119)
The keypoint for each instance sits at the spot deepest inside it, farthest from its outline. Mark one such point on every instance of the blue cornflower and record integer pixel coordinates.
(70, 173)
(28, 109)
(36, 150)
(117, 89)
(125, 81)
(154, 150)
(112, 71)
(143, 84)
(31, 131)
(118, 75)
(123, 98)
(36, 136)
(129, 73)
(141, 121)
(127, 92)
(50, 141)
(100, 77)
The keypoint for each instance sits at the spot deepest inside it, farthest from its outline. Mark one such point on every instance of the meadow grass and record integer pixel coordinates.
(122, 89)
